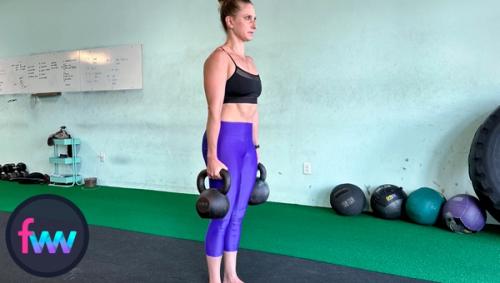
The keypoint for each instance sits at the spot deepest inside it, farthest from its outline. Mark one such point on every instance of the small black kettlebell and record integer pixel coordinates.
(213, 203)
(260, 191)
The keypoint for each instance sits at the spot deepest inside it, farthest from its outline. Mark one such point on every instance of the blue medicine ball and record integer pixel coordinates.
(423, 206)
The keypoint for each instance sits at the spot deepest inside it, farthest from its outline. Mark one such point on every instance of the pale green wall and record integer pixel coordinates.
(369, 92)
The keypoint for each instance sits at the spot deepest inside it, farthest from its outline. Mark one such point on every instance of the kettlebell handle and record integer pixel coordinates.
(226, 177)
(262, 170)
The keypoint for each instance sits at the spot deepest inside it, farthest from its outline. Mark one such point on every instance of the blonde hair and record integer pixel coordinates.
(230, 8)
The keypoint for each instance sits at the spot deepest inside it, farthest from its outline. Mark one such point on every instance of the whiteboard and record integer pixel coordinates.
(14, 75)
(110, 69)
(99, 69)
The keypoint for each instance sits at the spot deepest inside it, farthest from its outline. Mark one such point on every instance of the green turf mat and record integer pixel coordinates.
(395, 247)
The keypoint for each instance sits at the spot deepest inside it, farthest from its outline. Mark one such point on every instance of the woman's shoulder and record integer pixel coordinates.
(218, 55)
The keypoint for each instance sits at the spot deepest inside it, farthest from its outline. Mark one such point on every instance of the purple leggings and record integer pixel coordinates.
(236, 150)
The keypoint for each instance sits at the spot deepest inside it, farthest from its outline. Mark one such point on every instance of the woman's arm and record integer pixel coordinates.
(214, 77)
(255, 131)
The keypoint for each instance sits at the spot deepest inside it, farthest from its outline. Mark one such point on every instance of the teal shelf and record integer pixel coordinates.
(67, 160)
(67, 179)
(66, 141)
(61, 179)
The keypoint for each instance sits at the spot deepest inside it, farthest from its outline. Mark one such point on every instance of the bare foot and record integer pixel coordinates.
(232, 279)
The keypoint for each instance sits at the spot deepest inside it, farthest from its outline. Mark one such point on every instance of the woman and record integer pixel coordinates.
(232, 86)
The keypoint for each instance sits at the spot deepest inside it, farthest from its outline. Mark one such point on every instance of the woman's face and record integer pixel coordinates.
(244, 22)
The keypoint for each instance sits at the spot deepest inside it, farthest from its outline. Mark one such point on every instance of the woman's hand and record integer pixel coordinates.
(213, 168)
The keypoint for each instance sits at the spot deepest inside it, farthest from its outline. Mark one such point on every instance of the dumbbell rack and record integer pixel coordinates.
(66, 180)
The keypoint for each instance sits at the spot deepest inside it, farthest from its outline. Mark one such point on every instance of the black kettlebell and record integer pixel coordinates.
(8, 168)
(4, 176)
(213, 203)
(20, 167)
(260, 191)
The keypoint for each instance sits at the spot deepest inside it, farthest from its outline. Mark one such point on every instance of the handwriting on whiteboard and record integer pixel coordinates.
(99, 69)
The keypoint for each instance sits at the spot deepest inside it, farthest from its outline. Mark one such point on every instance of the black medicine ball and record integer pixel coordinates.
(387, 201)
(347, 199)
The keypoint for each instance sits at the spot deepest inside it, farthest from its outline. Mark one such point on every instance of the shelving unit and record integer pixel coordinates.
(65, 180)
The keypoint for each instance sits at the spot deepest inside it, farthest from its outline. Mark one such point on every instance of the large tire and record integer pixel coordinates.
(484, 164)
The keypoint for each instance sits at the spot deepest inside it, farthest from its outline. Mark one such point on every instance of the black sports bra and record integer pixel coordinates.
(242, 86)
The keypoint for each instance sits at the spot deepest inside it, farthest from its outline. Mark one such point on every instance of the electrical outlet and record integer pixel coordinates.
(102, 156)
(307, 168)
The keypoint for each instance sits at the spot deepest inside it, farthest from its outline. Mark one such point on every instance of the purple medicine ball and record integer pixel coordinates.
(463, 213)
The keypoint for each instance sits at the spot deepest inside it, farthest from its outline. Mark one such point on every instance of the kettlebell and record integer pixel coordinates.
(260, 191)
(213, 203)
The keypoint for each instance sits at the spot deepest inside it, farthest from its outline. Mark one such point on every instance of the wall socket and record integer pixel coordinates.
(307, 168)
(102, 156)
